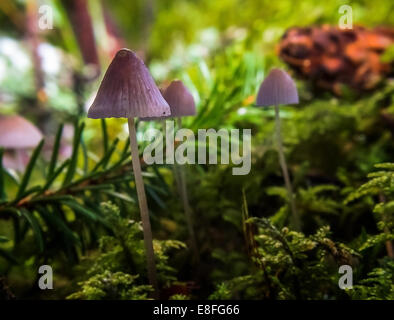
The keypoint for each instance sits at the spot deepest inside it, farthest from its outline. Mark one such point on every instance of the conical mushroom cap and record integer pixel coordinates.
(277, 88)
(180, 99)
(18, 133)
(128, 91)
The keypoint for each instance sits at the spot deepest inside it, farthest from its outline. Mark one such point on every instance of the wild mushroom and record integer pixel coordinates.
(180, 100)
(127, 91)
(17, 137)
(278, 88)
(181, 104)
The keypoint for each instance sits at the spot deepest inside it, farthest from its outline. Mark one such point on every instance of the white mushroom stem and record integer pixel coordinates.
(175, 167)
(186, 205)
(19, 160)
(177, 178)
(139, 183)
(282, 161)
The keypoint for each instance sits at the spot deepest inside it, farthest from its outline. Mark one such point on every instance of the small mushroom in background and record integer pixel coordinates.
(278, 88)
(82, 26)
(180, 100)
(128, 91)
(182, 104)
(18, 136)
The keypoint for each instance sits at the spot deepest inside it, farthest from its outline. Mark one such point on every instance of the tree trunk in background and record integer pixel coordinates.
(34, 42)
(114, 34)
(78, 13)
(81, 22)
(149, 16)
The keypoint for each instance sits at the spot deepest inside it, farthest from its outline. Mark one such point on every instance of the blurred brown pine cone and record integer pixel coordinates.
(332, 57)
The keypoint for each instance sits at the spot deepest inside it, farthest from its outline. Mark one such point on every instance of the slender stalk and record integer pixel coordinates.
(389, 244)
(139, 183)
(177, 178)
(180, 170)
(175, 167)
(19, 160)
(282, 160)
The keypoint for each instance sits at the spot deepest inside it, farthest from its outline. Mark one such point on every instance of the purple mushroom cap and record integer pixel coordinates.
(180, 100)
(18, 133)
(277, 88)
(128, 90)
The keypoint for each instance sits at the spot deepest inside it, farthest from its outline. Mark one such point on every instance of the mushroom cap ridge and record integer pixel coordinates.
(128, 90)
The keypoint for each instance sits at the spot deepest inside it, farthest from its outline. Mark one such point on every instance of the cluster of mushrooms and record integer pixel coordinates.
(129, 91)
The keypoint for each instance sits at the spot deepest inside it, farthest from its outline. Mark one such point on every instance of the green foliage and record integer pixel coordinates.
(179, 297)
(182, 21)
(112, 286)
(381, 184)
(57, 206)
(379, 285)
(315, 204)
(52, 212)
(243, 287)
(290, 265)
(118, 272)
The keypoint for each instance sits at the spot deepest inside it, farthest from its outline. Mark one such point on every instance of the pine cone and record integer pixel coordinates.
(332, 57)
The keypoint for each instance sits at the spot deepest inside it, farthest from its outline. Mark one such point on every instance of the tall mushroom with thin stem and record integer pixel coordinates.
(128, 91)
(182, 104)
(17, 137)
(278, 88)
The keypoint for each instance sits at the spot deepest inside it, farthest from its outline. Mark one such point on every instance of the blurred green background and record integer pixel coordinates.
(221, 50)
